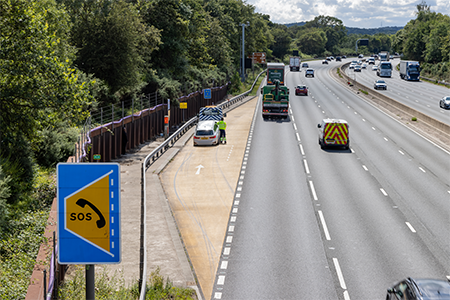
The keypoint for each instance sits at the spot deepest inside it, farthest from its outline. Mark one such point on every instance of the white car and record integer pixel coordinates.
(352, 66)
(309, 72)
(206, 133)
(374, 68)
(364, 66)
(380, 85)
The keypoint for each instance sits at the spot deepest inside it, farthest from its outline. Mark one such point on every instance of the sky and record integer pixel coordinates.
(353, 13)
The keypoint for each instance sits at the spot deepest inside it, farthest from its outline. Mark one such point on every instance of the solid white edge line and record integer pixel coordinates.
(324, 225)
(339, 273)
(410, 227)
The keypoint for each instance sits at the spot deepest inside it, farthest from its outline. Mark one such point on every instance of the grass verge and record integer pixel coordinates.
(112, 287)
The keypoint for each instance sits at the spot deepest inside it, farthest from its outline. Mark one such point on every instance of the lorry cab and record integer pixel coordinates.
(334, 133)
(384, 69)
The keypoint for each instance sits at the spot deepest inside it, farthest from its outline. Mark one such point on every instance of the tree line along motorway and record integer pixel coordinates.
(336, 224)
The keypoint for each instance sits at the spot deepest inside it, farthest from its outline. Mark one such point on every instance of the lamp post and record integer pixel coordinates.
(243, 47)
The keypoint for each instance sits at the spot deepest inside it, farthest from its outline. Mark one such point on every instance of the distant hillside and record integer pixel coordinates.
(372, 31)
(356, 30)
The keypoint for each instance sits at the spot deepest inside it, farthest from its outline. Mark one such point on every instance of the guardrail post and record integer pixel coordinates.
(45, 284)
(142, 248)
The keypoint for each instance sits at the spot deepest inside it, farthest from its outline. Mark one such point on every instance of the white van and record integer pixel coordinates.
(334, 133)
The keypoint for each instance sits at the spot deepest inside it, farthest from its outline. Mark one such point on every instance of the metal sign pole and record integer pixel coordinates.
(90, 282)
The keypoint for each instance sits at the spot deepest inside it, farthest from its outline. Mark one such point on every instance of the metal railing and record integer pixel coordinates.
(149, 160)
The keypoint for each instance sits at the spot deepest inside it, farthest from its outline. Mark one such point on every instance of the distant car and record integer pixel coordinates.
(445, 102)
(332, 57)
(374, 68)
(371, 60)
(364, 66)
(206, 133)
(419, 289)
(380, 85)
(324, 61)
(301, 90)
(338, 58)
(357, 68)
(344, 56)
(391, 56)
(305, 65)
(309, 72)
(360, 56)
(352, 66)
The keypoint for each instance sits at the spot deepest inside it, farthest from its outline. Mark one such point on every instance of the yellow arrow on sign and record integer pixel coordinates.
(87, 213)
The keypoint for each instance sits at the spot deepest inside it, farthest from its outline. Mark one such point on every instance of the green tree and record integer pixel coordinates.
(171, 17)
(113, 42)
(312, 41)
(282, 41)
(38, 84)
(436, 48)
(334, 29)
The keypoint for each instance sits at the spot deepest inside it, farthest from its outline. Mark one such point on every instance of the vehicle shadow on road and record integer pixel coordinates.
(337, 150)
(278, 120)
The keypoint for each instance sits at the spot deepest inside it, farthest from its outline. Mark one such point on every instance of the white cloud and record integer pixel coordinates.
(353, 13)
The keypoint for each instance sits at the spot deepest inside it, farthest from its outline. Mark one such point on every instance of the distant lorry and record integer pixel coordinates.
(384, 69)
(409, 70)
(294, 63)
(275, 100)
(334, 133)
(275, 71)
(384, 56)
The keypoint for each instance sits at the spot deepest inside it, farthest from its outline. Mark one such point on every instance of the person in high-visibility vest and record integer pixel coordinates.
(222, 127)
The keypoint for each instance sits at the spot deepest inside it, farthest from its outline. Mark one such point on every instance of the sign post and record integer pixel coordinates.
(183, 106)
(88, 198)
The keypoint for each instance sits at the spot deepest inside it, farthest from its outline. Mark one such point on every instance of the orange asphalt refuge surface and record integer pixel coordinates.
(200, 184)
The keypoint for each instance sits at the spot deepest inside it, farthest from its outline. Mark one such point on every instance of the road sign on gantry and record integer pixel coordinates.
(88, 197)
